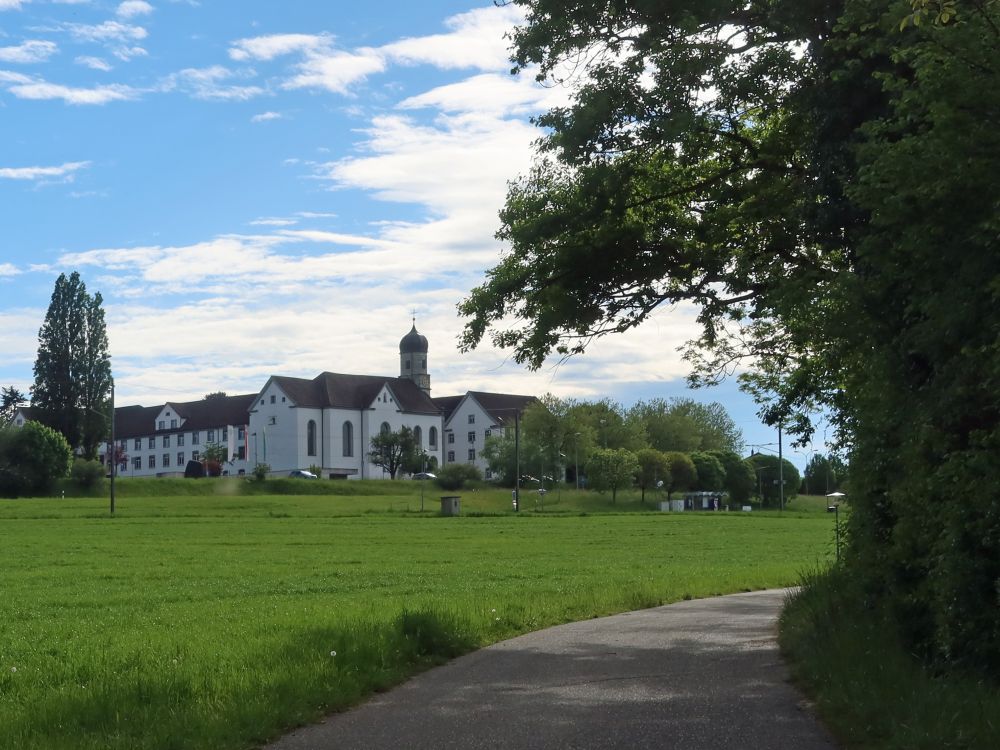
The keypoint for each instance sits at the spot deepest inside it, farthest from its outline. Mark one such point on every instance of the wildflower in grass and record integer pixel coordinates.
(333, 653)
(13, 669)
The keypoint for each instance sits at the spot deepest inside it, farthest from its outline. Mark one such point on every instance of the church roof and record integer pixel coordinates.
(331, 390)
(413, 342)
(447, 404)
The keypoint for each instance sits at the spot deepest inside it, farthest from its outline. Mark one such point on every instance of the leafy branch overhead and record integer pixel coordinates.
(820, 181)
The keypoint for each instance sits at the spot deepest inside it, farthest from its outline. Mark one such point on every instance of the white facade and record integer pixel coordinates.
(287, 435)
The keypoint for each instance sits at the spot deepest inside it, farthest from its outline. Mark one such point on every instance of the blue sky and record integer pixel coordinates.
(264, 188)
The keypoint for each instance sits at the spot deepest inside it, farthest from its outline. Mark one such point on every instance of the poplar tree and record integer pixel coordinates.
(73, 368)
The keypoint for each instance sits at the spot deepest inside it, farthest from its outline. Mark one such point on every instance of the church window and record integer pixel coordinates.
(385, 429)
(348, 439)
(418, 436)
(432, 437)
(423, 364)
(407, 364)
(311, 438)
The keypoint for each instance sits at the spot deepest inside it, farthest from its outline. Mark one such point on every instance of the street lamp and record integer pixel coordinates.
(576, 459)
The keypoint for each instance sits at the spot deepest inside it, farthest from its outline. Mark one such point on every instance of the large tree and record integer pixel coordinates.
(822, 185)
(391, 451)
(73, 368)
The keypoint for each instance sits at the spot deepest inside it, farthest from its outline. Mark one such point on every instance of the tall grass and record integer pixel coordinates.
(212, 621)
(867, 688)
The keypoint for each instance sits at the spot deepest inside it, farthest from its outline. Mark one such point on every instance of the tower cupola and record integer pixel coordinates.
(413, 359)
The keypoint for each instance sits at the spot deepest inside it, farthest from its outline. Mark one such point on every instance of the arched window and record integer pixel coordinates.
(348, 439)
(385, 429)
(311, 438)
(432, 437)
(418, 437)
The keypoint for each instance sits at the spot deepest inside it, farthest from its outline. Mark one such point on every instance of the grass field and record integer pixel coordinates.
(211, 621)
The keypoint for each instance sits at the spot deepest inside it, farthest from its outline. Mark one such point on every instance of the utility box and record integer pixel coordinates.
(451, 505)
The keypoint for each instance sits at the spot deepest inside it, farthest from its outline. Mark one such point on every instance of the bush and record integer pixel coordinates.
(260, 472)
(87, 475)
(31, 459)
(194, 470)
(454, 476)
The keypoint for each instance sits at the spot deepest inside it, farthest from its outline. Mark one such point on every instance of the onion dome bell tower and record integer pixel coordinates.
(413, 359)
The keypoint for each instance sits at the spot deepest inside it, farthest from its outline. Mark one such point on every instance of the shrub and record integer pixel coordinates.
(454, 476)
(31, 459)
(260, 472)
(87, 475)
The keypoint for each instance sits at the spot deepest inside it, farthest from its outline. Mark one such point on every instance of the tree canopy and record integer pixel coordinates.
(820, 180)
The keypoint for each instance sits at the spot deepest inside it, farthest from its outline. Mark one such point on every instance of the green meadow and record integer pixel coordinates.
(221, 620)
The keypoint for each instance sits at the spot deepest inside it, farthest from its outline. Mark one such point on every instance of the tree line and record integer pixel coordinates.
(663, 445)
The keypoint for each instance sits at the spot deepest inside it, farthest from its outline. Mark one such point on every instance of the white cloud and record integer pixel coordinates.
(273, 222)
(12, 4)
(9, 269)
(133, 8)
(107, 32)
(476, 40)
(207, 83)
(490, 93)
(266, 116)
(94, 63)
(335, 71)
(31, 51)
(125, 53)
(275, 45)
(36, 173)
(24, 87)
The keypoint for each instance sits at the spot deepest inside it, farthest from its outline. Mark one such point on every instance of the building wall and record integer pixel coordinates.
(463, 435)
(181, 447)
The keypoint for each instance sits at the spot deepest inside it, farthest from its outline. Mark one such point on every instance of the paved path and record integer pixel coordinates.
(698, 674)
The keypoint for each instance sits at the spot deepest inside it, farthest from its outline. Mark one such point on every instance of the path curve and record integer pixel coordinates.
(702, 674)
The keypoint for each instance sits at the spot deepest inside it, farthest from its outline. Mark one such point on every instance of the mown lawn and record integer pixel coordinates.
(212, 621)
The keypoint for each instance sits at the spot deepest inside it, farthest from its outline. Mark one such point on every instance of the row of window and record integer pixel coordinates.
(181, 461)
(180, 437)
(471, 435)
(472, 455)
(347, 437)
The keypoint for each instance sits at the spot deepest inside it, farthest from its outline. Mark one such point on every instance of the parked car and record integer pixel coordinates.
(302, 474)
(424, 475)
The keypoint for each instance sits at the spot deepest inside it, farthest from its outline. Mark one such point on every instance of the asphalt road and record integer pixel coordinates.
(698, 674)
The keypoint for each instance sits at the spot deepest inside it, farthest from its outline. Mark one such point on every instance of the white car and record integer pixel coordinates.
(302, 474)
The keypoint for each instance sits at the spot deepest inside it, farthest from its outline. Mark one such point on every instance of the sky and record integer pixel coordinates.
(261, 188)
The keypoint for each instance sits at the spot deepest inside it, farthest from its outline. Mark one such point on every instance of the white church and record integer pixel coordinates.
(325, 422)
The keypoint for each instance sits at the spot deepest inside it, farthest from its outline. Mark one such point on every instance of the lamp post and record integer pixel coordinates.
(576, 459)
(114, 454)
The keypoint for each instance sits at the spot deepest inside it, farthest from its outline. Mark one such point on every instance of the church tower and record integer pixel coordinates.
(413, 359)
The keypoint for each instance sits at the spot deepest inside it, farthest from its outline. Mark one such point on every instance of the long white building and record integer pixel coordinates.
(326, 422)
